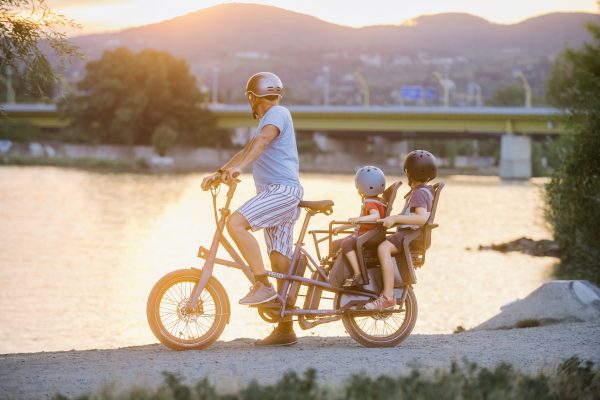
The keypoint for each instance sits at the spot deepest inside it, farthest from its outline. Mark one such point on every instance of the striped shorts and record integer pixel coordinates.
(274, 209)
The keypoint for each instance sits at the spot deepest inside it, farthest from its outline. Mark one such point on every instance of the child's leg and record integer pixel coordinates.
(348, 246)
(353, 260)
(384, 252)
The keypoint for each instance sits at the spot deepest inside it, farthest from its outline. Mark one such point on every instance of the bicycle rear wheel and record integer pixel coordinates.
(384, 329)
(174, 324)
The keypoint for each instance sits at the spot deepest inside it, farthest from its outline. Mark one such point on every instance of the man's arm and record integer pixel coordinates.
(255, 148)
(233, 162)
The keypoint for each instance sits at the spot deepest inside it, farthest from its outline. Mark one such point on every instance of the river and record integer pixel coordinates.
(80, 251)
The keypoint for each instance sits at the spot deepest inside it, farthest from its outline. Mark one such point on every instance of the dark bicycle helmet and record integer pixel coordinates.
(420, 166)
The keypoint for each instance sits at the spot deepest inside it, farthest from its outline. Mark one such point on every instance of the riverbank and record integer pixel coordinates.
(183, 159)
(232, 365)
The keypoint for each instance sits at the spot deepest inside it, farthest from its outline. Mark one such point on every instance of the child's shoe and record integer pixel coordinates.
(356, 280)
(382, 303)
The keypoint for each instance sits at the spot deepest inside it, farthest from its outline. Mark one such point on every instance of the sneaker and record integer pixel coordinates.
(382, 303)
(259, 293)
(278, 338)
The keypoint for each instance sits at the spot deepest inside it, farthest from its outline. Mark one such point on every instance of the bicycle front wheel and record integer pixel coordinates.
(172, 321)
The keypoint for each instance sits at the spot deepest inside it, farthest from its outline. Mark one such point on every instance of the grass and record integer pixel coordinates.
(573, 379)
(90, 163)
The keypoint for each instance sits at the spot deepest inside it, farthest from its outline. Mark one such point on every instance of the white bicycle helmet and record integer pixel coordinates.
(264, 84)
(370, 181)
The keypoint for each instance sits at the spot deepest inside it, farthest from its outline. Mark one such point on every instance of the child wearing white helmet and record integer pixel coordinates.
(370, 182)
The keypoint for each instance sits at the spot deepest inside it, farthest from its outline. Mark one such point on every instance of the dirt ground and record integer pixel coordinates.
(231, 365)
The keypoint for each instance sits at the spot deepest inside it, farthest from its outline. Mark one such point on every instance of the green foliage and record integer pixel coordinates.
(28, 29)
(573, 194)
(573, 379)
(163, 138)
(91, 163)
(125, 98)
(19, 130)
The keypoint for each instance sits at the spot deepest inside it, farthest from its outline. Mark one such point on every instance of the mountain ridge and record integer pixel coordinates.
(246, 27)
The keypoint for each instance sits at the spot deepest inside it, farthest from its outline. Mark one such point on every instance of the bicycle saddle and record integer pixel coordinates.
(324, 206)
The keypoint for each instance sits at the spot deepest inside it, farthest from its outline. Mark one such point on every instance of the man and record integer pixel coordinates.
(274, 156)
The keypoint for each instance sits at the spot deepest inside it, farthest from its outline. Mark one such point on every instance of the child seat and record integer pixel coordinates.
(416, 243)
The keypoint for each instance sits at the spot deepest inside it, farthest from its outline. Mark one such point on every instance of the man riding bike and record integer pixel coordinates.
(274, 156)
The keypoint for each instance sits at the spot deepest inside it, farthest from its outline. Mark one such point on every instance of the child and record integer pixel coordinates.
(370, 182)
(420, 168)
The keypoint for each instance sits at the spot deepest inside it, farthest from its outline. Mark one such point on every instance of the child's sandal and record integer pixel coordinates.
(356, 280)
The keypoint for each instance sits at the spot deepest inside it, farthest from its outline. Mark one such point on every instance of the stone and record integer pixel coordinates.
(553, 302)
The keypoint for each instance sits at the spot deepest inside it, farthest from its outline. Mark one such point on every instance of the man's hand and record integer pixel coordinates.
(388, 221)
(230, 174)
(354, 221)
(208, 180)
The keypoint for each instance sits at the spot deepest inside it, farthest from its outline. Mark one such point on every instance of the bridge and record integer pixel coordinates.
(388, 126)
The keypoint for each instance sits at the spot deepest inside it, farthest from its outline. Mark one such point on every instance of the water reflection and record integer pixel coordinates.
(81, 251)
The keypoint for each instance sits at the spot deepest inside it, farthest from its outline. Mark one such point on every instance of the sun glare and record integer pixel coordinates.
(119, 14)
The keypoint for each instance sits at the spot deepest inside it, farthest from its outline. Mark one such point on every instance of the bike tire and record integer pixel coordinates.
(170, 292)
(396, 337)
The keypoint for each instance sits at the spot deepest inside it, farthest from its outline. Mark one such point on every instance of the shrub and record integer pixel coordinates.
(573, 379)
(573, 194)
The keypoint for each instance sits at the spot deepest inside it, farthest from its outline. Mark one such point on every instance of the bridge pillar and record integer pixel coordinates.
(515, 156)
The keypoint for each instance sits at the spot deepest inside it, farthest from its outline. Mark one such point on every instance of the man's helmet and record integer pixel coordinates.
(264, 84)
(370, 181)
(420, 166)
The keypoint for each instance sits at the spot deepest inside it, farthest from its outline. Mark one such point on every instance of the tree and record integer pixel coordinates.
(128, 98)
(573, 194)
(29, 30)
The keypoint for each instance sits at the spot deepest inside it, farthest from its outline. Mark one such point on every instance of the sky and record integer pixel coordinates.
(107, 15)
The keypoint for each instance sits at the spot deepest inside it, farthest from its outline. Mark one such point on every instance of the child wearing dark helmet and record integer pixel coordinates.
(420, 168)
(370, 182)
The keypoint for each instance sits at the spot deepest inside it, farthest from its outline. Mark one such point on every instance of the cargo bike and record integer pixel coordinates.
(189, 308)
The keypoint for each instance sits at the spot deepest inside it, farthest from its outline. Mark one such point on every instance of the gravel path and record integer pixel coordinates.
(231, 365)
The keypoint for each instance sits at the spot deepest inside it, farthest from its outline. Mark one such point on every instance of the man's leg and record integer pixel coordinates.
(239, 230)
(262, 291)
(281, 264)
(284, 334)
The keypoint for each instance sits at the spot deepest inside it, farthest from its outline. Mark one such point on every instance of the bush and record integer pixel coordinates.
(19, 130)
(573, 379)
(573, 194)
(163, 139)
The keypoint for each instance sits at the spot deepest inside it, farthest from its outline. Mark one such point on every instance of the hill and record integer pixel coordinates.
(241, 38)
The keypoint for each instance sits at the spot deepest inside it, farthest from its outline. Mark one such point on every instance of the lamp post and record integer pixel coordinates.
(445, 83)
(10, 92)
(326, 71)
(521, 75)
(215, 85)
(364, 87)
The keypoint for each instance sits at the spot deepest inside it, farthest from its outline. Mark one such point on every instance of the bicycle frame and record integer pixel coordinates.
(299, 251)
